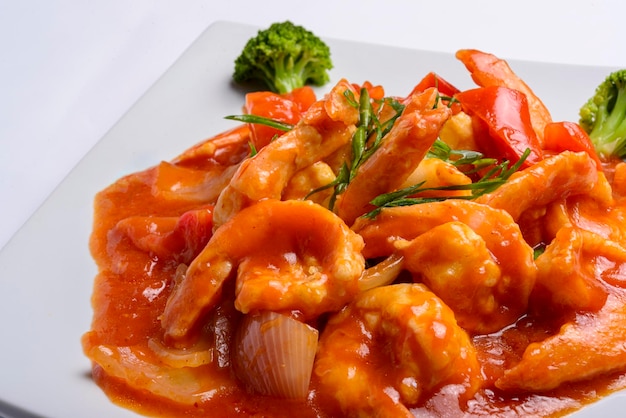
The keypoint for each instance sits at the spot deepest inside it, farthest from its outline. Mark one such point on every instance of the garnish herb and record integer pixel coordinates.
(490, 181)
(261, 120)
(538, 250)
(253, 150)
(460, 158)
(366, 140)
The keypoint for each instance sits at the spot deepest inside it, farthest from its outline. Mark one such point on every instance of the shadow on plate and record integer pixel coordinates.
(10, 411)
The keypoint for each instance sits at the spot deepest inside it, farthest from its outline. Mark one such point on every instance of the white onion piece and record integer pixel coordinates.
(186, 385)
(275, 354)
(383, 273)
(181, 357)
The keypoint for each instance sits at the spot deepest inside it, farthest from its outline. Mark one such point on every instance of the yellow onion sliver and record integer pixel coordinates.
(275, 354)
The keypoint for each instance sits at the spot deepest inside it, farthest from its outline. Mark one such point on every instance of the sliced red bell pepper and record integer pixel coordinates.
(444, 87)
(505, 114)
(192, 232)
(375, 92)
(569, 136)
(287, 108)
(304, 97)
(434, 80)
(169, 237)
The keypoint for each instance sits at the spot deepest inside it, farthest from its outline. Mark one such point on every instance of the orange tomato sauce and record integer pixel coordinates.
(130, 294)
(142, 234)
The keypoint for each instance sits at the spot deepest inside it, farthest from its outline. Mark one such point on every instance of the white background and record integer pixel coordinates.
(70, 69)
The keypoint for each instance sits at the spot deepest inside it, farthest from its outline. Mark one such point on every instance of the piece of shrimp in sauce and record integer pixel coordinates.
(402, 149)
(391, 348)
(552, 179)
(313, 177)
(580, 278)
(488, 239)
(590, 345)
(324, 128)
(286, 255)
(568, 269)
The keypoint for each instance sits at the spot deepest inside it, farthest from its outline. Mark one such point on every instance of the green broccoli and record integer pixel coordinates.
(284, 56)
(603, 117)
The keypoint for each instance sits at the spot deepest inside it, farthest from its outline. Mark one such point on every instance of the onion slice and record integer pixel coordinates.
(184, 357)
(274, 354)
(383, 273)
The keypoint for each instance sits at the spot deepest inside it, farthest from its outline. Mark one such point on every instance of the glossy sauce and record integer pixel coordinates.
(133, 285)
(149, 226)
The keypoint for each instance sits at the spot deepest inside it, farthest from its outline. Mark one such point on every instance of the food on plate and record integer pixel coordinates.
(403, 324)
(446, 253)
(284, 56)
(487, 70)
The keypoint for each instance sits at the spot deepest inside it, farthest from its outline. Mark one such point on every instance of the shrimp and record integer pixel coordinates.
(488, 70)
(401, 151)
(594, 212)
(455, 263)
(619, 180)
(458, 132)
(324, 128)
(592, 344)
(502, 272)
(554, 178)
(286, 256)
(582, 272)
(433, 172)
(567, 273)
(424, 350)
(315, 176)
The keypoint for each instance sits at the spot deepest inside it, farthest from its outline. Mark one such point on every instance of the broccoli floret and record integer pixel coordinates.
(284, 56)
(603, 117)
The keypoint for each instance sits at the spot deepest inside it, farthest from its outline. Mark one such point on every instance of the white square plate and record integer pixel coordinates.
(46, 271)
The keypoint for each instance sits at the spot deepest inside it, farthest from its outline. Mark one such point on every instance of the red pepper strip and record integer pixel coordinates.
(169, 237)
(287, 108)
(488, 70)
(375, 92)
(444, 87)
(433, 80)
(505, 113)
(192, 232)
(304, 97)
(569, 136)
